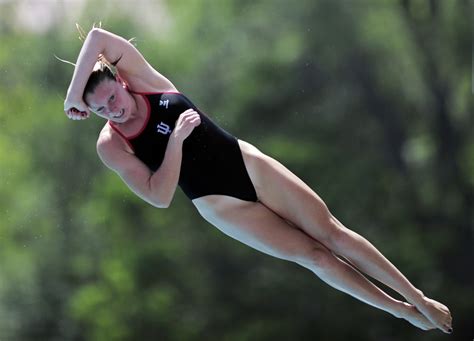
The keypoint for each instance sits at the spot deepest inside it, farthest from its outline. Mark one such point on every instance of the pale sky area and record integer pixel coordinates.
(40, 15)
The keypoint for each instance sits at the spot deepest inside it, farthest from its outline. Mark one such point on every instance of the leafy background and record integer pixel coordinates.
(370, 102)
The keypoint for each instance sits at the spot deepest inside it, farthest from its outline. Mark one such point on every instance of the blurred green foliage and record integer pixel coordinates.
(370, 102)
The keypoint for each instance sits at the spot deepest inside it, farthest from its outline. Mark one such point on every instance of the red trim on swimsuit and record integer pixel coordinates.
(148, 113)
(120, 134)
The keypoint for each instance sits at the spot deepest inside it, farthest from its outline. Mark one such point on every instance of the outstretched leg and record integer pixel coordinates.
(363, 255)
(257, 226)
(288, 196)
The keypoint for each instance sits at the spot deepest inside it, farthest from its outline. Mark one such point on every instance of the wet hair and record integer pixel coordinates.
(103, 70)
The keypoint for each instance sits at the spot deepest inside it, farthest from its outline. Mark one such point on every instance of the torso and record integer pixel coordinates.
(213, 162)
(212, 204)
(133, 126)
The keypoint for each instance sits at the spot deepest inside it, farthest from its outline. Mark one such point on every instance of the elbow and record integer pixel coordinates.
(160, 201)
(96, 33)
(161, 204)
(164, 202)
(159, 197)
(155, 201)
(96, 37)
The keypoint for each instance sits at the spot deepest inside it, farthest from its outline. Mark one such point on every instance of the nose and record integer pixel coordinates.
(113, 108)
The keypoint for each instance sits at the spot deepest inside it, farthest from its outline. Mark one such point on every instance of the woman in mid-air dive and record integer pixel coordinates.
(155, 138)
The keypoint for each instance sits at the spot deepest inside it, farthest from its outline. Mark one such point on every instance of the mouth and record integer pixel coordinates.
(122, 112)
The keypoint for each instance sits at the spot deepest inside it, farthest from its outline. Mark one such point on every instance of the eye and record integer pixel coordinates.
(112, 98)
(100, 109)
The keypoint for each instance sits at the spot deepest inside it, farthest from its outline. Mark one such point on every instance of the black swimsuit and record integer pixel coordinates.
(212, 161)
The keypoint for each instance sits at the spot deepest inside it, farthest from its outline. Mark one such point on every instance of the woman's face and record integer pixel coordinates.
(110, 100)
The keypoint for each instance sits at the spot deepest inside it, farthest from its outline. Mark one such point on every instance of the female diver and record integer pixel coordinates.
(155, 139)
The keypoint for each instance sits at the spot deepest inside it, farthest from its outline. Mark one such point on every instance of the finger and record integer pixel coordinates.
(74, 114)
(78, 115)
(196, 120)
(189, 112)
(184, 113)
(189, 118)
(192, 115)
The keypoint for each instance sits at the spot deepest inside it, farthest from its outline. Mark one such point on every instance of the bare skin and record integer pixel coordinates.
(309, 232)
(289, 220)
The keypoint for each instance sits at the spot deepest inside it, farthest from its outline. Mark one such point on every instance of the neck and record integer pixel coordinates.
(134, 110)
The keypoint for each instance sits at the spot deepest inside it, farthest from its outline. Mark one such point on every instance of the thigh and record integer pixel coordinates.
(255, 225)
(291, 198)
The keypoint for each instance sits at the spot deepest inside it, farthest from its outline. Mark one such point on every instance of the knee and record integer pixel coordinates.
(337, 235)
(317, 257)
(329, 230)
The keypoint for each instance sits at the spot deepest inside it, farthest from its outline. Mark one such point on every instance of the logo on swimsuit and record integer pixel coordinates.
(164, 103)
(163, 128)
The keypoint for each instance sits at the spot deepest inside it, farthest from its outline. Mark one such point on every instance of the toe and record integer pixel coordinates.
(446, 329)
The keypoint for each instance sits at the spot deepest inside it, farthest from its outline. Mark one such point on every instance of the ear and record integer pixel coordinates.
(122, 81)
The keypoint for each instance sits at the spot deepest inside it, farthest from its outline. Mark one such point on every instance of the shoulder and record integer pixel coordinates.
(106, 136)
(110, 148)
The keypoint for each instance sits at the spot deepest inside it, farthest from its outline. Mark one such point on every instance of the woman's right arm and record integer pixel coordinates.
(74, 103)
(85, 63)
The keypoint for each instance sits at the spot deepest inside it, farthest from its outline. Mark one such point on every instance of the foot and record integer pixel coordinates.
(412, 315)
(438, 314)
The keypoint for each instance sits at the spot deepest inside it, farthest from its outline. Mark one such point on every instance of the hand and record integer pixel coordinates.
(186, 123)
(76, 110)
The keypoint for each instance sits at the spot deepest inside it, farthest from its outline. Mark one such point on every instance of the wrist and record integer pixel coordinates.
(71, 96)
(175, 142)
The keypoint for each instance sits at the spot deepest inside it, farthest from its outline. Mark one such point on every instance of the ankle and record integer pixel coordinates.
(402, 309)
(416, 298)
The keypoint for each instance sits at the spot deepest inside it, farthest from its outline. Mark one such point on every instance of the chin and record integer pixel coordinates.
(124, 119)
